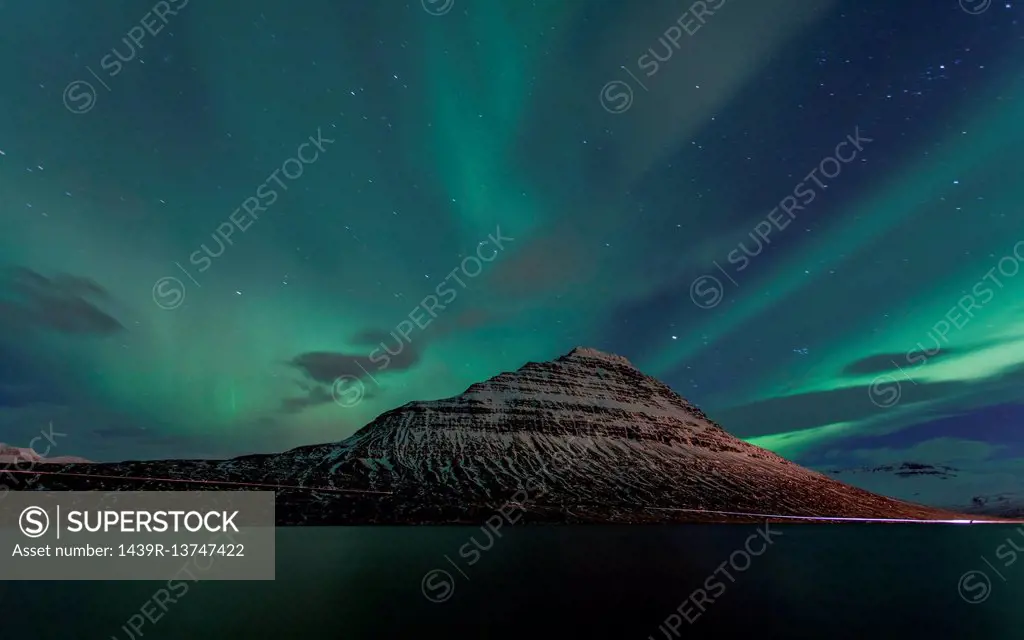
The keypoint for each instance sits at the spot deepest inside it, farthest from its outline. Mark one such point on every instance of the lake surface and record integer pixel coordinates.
(851, 581)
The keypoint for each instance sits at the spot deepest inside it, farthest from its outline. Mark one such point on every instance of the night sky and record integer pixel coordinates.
(635, 177)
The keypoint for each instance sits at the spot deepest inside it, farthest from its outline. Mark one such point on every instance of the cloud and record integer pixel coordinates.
(327, 366)
(64, 303)
(879, 363)
(323, 368)
(315, 396)
(887, 362)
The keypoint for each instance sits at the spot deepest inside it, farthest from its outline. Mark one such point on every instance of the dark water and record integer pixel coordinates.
(580, 582)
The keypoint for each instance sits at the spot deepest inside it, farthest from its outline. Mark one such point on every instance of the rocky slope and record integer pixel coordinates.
(584, 438)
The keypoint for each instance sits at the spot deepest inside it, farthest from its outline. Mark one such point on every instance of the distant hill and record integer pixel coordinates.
(11, 455)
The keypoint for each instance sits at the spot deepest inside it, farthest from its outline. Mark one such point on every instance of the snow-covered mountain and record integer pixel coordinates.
(583, 438)
(971, 490)
(11, 455)
(1005, 505)
(902, 470)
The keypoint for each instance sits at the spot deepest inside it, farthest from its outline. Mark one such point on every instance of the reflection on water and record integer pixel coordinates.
(801, 581)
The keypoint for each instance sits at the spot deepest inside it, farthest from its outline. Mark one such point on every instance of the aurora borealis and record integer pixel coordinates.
(448, 123)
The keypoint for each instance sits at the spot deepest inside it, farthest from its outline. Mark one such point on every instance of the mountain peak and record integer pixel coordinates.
(589, 353)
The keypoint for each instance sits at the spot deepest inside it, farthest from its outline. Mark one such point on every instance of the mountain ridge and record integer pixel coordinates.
(587, 436)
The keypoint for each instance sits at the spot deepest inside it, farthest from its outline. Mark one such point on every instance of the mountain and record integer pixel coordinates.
(972, 490)
(11, 455)
(1003, 505)
(583, 438)
(903, 470)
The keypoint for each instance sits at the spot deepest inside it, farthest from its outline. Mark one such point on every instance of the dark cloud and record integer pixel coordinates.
(63, 303)
(888, 362)
(327, 366)
(323, 368)
(389, 352)
(314, 397)
(879, 363)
